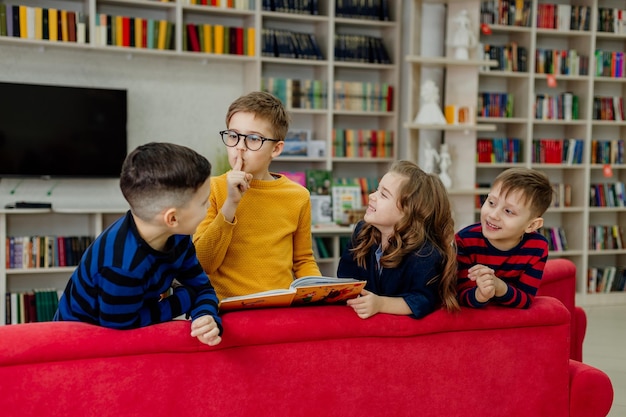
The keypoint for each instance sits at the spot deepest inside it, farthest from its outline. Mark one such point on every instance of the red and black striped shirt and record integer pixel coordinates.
(521, 268)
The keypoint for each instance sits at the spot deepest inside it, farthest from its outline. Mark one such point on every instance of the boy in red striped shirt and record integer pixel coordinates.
(501, 259)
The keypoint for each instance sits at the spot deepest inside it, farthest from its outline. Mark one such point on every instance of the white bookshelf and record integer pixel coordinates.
(474, 76)
(45, 222)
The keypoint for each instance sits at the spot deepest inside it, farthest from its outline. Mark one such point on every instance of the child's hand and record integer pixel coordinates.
(366, 305)
(206, 330)
(486, 282)
(238, 180)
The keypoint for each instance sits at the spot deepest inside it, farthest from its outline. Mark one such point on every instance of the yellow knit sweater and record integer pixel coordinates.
(268, 243)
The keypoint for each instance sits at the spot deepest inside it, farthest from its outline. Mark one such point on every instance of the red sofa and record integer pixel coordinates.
(307, 361)
(559, 281)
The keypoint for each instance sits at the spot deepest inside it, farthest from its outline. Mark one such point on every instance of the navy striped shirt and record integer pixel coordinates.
(521, 268)
(120, 279)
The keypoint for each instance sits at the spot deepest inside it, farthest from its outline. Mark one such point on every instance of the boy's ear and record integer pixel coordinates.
(170, 217)
(278, 148)
(534, 224)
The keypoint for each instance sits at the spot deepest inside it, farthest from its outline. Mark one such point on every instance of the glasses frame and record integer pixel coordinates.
(245, 137)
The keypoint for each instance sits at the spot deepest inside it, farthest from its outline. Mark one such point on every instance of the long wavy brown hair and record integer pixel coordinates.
(427, 217)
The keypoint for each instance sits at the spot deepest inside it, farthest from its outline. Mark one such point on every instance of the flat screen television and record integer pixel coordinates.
(55, 131)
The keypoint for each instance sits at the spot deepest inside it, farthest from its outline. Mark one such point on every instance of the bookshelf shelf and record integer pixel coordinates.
(503, 120)
(34, 271)
(462, 128)
(293, 17)
(290, 61)
(503, 74)
(449, 62)
(360, 160)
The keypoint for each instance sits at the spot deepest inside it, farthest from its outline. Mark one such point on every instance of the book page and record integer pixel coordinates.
(271, 298)
(315, 280)
(325, 290)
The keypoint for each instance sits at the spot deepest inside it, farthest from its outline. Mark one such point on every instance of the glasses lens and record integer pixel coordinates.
(254, 142)
(230, 138)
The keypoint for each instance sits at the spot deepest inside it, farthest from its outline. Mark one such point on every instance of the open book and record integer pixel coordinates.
(305, 290)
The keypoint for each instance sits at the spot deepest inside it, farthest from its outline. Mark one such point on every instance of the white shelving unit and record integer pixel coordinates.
(577, 218)
(464, 82)
(459, 85)
(42, 222)
(321, 122)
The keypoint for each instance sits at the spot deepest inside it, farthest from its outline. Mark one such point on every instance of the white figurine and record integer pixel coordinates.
(431, 158)
(444, 164)
(463, 38)
(430, 112)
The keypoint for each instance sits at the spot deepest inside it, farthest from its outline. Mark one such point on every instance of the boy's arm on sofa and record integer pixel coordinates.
(591, 391)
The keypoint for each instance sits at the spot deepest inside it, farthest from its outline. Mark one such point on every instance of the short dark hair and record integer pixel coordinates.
(160, 174)
(265, 106)
(534, 185)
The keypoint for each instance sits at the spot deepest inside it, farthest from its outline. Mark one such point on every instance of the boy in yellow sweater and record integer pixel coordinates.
(256, 235)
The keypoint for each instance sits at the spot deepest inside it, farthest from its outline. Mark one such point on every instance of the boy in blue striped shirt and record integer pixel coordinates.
(121, 276)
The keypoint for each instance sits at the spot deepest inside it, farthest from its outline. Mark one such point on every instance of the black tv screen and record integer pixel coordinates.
(61, 131)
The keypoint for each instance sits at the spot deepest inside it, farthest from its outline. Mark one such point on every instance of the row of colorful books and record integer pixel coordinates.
(612, 20)
(603, 237)
(557, 241)
(564, 106)
(563, 17)
(499, 150)
(45, 251)
(363, 143)
(605, 279)
(348, 95)
(560, 61)
(608, 108)
(495, 104)
(370, 10)
(297, 93)
(610, 63)
(134, 32)
(308, 7)
(31, 306)
(219, 39)
(231, 4)
(289, 44)
(363, 96)
(40, 23)
(607, 194)
(607, 151)
(361, 48)
(510, 57)
(506, 12)
(558, 151)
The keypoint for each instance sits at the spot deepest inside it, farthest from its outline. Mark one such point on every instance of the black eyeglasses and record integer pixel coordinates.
(253, 142)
